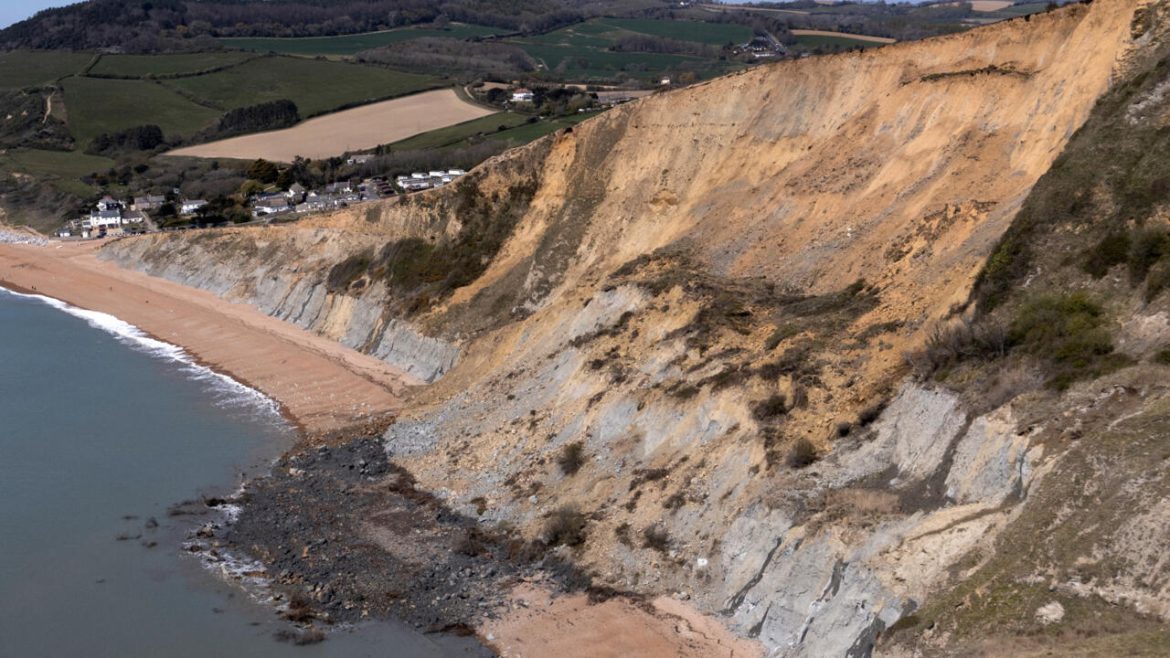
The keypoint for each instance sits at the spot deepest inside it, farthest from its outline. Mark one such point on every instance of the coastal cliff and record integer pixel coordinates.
(720, 331)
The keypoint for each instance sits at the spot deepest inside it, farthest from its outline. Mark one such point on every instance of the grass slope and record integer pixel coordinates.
(582, 51)
(148, 65)
(62, 169)
(353, 43)
(99, 106)
(717, 34)
(23, 68)
(315, 86)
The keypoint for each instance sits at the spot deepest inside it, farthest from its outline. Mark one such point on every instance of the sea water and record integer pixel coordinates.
(101, 429)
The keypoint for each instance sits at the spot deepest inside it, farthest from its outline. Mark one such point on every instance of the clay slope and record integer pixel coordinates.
(707, 291)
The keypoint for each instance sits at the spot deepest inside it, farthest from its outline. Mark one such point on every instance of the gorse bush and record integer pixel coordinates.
(951, 344)
(565, 527)
(803, 454)
(572, 458)
(773, 407)
(1069, 333)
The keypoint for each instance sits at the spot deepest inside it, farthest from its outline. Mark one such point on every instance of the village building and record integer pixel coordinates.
(271, 204)
(522, 95)
(191, 205)
(148, 202)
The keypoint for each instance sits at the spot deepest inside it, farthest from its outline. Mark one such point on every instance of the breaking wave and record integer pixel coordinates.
(228, 393)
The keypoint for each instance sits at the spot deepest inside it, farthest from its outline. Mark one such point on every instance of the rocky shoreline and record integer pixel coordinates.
(344, 536)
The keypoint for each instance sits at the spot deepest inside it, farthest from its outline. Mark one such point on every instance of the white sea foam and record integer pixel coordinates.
(228, 392)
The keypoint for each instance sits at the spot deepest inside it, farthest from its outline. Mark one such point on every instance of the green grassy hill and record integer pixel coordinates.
(316, 86)
(23, 68)
(352, 43)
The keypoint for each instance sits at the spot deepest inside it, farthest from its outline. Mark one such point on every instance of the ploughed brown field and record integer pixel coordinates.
(349, 130)
(842, 35)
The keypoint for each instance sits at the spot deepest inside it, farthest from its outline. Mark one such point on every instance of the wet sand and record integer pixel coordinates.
(321, 385)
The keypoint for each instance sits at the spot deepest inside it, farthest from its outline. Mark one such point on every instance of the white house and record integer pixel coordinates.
(191, 205)
(109, 203)
(522, 95)
(272, 204)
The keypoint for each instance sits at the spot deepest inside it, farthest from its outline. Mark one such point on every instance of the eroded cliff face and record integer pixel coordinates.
(675, 309)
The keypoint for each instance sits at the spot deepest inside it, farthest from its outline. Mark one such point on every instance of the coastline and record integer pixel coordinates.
(321, 386)
(527, 604)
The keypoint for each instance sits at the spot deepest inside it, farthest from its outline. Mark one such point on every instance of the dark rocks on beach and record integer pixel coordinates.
(344, 531)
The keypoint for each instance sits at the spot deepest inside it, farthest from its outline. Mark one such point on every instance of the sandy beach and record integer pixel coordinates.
(321, 385)
(326, 387)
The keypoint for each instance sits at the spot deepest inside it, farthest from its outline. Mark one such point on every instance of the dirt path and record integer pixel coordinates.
(350, 130)
(321, 384)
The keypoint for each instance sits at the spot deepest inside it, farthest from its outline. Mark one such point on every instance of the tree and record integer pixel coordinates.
(263, 171)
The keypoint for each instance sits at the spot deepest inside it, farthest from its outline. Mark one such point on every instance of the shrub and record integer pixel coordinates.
(1068, 332)
(871, 413)
(1147, 246)
(773, 407)
(572, 457)
(1112, 250)
(565, 527)
(622, 532)
(778, 336)
(803, 454)
(1157, 281)
(843, 428)
(655, 537)
(949, 345)
(347, 271)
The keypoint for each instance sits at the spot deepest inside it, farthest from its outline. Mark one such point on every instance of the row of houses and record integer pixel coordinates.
(108, 217)
(331, 197)
(423, 181)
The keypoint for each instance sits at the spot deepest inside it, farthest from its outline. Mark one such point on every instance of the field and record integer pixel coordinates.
(990, 5)
(22, 68)
(353, 43)
(140, 66)
(717, 34)
(61, 168)
(518, 129)
(461, 132)
(315, 86)
(360, 128)
(842, 37)
(97, 106)
(581, 51)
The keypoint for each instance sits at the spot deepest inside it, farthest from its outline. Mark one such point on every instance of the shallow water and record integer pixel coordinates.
(99, 431)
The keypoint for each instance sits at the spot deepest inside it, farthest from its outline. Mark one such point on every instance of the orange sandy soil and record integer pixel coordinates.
(321, 385)
(571, 627)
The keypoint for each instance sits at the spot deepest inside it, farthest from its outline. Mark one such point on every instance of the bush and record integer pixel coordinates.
(572, 458)
(1112, 250)
(951, 344)
(565, 527)
(871, 413)
(773, 407)
(1157, 281)
(803, 454)
(1068, 331)
(1147, 246)
(655, 537)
